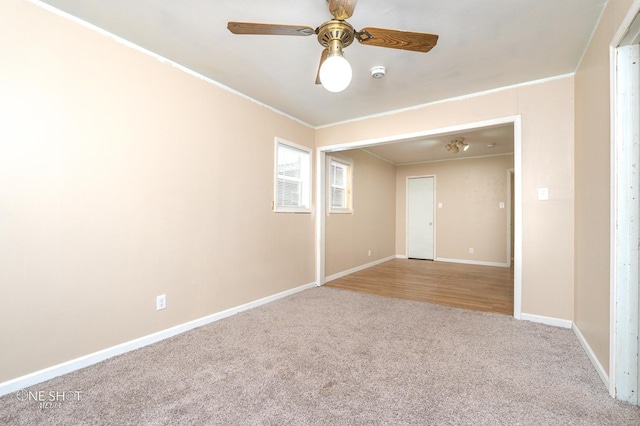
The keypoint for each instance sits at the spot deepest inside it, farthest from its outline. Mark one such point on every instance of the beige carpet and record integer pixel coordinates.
(328, 356)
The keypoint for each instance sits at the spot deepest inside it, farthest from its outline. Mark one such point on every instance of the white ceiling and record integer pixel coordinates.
(483, 45)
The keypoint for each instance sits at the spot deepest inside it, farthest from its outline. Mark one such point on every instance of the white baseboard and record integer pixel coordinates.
(472, 262)
(592, 356)
(556, 322)
(357, 268)
(96, 357)
(570, 324)
(401, 256)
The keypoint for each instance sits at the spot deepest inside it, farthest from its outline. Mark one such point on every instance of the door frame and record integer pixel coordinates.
(624, 359)
(320, 205)
(510, 178)
(406, 212)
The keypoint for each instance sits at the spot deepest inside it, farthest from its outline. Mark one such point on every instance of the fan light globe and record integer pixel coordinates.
(335, 73)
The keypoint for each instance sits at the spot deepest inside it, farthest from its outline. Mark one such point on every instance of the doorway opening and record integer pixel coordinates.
(515, 126)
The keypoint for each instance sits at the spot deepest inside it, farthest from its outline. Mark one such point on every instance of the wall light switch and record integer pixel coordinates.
(543, 194)
(439, 205)
(501, 204)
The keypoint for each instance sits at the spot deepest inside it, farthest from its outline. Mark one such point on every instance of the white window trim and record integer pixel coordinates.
(306, 185)
(349, 185)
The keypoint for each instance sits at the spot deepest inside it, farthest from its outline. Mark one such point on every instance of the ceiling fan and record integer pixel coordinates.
(334, 71)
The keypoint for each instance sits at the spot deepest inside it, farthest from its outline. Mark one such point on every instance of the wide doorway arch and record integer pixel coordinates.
(516, 202)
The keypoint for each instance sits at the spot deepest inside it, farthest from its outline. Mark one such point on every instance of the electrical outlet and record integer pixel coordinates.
(471, 250)
(543, 194)
(161, 302)
(369, 252)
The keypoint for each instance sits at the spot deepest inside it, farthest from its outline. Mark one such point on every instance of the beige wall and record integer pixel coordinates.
(349, 237)
(592, 185)
(470, 192)
(122, 178)
(547, 113)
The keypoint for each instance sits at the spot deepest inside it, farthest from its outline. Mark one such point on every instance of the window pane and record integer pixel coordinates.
(289, 193)
(338, 198)
(289, 162)
(337, 175)
(340, 185)
(292, 176)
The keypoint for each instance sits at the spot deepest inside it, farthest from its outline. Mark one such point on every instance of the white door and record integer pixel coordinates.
(420, 218)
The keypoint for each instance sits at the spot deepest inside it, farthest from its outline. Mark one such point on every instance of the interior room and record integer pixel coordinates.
(127, 224)
(474, 220)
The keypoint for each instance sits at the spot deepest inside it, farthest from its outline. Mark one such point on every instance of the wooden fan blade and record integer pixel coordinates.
(342, 9)
(396, 39)
(323, 58)
(269, 29)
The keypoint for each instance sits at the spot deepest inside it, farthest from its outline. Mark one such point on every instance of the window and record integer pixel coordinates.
(340, 185)
(293, 177)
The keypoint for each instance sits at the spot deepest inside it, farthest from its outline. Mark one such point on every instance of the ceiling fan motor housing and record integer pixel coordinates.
(335, 30)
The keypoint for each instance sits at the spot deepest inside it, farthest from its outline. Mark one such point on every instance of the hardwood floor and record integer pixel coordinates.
(480, 288)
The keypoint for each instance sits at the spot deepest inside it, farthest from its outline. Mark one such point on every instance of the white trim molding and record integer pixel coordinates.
(160, 58)
(453, 99)
(517, 214)
(624, 358)
(555, 322)
(472, 262)
(592, 356)
(40, 376)
(357, 268)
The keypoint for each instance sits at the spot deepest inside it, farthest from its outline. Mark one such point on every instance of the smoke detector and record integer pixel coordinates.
(378, 72)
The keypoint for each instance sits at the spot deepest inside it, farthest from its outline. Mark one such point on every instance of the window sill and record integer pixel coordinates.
(291, 210)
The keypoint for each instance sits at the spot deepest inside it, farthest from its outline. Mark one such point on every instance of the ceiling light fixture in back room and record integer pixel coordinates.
(456, 144)
(334, 72)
